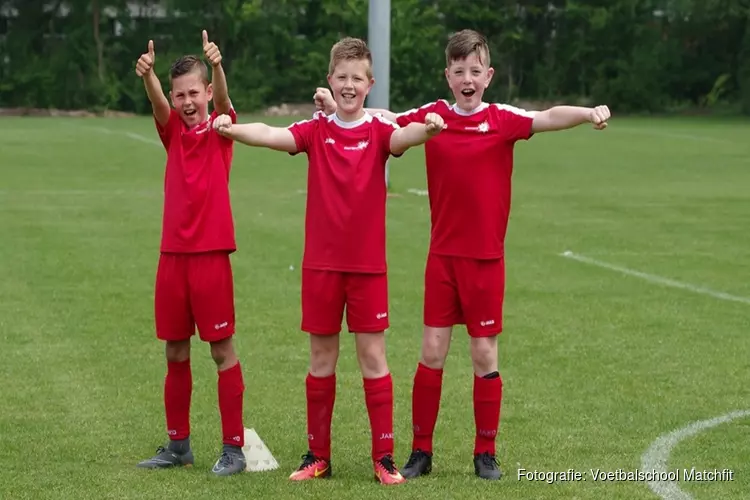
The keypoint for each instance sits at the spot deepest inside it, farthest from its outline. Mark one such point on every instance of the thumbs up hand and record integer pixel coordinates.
(211, 51)
(146, 62)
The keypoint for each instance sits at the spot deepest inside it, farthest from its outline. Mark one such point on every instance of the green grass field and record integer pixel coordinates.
(597, 364)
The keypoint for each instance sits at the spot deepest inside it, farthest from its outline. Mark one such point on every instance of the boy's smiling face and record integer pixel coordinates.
(468, 79)
(350, 83)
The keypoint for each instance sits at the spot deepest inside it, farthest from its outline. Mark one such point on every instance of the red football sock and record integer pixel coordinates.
(231, 391)
(379, 401)
(321, 396)
(425, 404)
(178, 389)
(488, 393)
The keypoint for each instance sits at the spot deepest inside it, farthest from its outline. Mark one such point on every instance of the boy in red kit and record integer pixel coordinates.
(469, 169)
(194, 284)
(344, 263)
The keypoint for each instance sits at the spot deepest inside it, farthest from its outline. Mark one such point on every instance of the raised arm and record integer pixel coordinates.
(222, 104)
(256, 134)
(144, 68)
(565, 117)
(415, 134)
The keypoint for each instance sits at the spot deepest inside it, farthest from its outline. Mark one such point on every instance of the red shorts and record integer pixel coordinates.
(459, 290)
(194, 289)
(325, 294)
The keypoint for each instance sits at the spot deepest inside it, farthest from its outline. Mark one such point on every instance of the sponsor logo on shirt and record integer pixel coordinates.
(360, 146)
(483, 127)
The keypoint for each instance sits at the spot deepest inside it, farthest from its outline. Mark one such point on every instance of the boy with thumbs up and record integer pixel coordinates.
(194, 283)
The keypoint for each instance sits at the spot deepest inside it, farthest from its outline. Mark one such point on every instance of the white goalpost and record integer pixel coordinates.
(379, 41)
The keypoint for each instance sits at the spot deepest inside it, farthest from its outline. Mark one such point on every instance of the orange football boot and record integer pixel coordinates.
(386, 471)
(312, 468)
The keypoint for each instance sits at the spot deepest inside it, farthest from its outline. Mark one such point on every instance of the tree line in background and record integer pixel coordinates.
(636, 55)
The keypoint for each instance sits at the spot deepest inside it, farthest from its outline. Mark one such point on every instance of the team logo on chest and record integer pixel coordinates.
(483, 127)
(360, 146)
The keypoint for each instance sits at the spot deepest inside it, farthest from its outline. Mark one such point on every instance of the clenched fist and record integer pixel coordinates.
(324, 100)
(434, 123)
(599, 116)
(223, 125)
(146, 62)
(211, 51)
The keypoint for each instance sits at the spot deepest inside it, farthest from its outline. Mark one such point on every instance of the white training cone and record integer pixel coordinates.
(257, 454)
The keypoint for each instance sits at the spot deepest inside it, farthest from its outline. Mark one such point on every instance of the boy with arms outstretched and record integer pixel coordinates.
(344, 262)
(194, 283)
(469, 168)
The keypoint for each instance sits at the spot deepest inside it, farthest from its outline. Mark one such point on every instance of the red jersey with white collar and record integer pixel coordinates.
(469, 169)
(197, 212)
(346, 191)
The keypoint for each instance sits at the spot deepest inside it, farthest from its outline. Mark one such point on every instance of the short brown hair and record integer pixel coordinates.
(188, 64)
(464, 43)
(350, 49)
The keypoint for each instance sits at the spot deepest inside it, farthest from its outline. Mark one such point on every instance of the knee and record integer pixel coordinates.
(372, 360)
(222, 353)
(484, 355)
(178, 351)
(434, 352)
(433, 358)
(323, 357)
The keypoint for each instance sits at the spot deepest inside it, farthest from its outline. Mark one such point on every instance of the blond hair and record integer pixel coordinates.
(350, 49)
(464, 43)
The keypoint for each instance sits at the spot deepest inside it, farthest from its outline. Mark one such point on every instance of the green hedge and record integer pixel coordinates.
(636, 55)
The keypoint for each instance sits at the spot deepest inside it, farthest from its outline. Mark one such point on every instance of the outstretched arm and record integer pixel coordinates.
(222, 104)
(388, 115)
(144, 68)
(324, 102)
(565, 117)
(256, 134)
(415, 134)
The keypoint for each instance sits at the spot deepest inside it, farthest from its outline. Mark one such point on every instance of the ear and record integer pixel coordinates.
(328, 79)
(490, 73)
(446, 75)
(372, 82)
(171, 98)
(209, 91)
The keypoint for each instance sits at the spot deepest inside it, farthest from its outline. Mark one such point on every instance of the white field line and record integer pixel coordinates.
(131, 135)
(656, 458)
(656, 279)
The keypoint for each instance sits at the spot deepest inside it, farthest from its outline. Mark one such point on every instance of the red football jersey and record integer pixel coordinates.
(469, 168)
(197, 211)
(346, 191)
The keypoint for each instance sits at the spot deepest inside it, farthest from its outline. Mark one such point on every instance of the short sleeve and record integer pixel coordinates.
(515, 123)
(385, 129)
(233, 116)
(304, 132)
(415, 115)
(168, 131)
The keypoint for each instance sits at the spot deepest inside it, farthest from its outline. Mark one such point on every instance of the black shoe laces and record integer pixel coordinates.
(308, 459)
(387, 463)
(225, 460)
(414, 458)
(488, 460)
